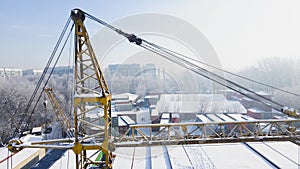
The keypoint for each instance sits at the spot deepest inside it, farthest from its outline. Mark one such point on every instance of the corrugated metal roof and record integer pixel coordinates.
(225, 117)
(202, 118)
(228, 117)
(225, 156)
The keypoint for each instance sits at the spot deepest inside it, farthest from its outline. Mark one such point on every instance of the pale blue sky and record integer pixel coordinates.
(241, 31)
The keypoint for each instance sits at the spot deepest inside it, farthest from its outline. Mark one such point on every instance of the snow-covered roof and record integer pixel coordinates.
(251, 155)
(36, 129)
(125, 96)
(198, 103)
(19, 159)
(31, 138)
(151, 97)
(125, 119)
(227, 117)
(226, 156)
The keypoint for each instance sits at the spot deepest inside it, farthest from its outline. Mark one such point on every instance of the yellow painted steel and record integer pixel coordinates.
(60, 114)
(91, 89)
(12, 145)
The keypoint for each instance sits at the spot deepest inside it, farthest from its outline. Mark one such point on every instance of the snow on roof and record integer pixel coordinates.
(228, 117)
(125, 119)
(125, 96)
(202, 118)
(36, 129)
(124, 156)
(82, 95)
(165, 116)
(233, 155)
(160, 156)
(282, 154)
(250, 155)
(193, 103)
(94, 115)
(224, 117)
(121, 122)
(164, 121)
(255, 110)
(237, 117)
(214, 117)
(151, 97)
(142, 158)
(31, 138)
(19, 158)
(178, 157)
(225, 156)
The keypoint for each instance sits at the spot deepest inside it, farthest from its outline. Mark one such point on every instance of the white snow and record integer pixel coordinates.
(197, 156)
(159, 158)
(178, 158)
(233, 155)
(287, 158)
(15, 160)
(142, 158)
(124, 156)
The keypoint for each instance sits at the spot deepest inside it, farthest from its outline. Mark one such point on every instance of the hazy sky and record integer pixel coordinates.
(242, 32)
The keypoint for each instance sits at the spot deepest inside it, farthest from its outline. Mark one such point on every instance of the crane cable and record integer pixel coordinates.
(23, 117)
(139, 42)
(207, 72)
(207, 75)
(234, 74)
(151, 46)
(47, 80)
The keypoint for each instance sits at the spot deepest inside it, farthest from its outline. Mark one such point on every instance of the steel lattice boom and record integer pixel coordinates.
(210, 132)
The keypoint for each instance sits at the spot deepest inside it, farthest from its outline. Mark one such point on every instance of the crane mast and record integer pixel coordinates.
(91, 93)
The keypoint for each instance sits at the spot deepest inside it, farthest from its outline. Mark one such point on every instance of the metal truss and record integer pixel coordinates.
(192, 133)
(210, 132)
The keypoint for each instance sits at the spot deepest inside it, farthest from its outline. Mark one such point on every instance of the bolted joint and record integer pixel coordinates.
(12, 145)
(132, 38)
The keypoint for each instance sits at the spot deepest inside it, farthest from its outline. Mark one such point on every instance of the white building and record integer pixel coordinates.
(32, 72)
(198, 103)
(9, 72)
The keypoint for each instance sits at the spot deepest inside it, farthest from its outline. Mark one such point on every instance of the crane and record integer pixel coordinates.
(59, 112)
(291, 112)
(92, 93)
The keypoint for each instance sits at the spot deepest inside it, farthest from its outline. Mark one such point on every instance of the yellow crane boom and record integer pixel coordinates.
(59, 112)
